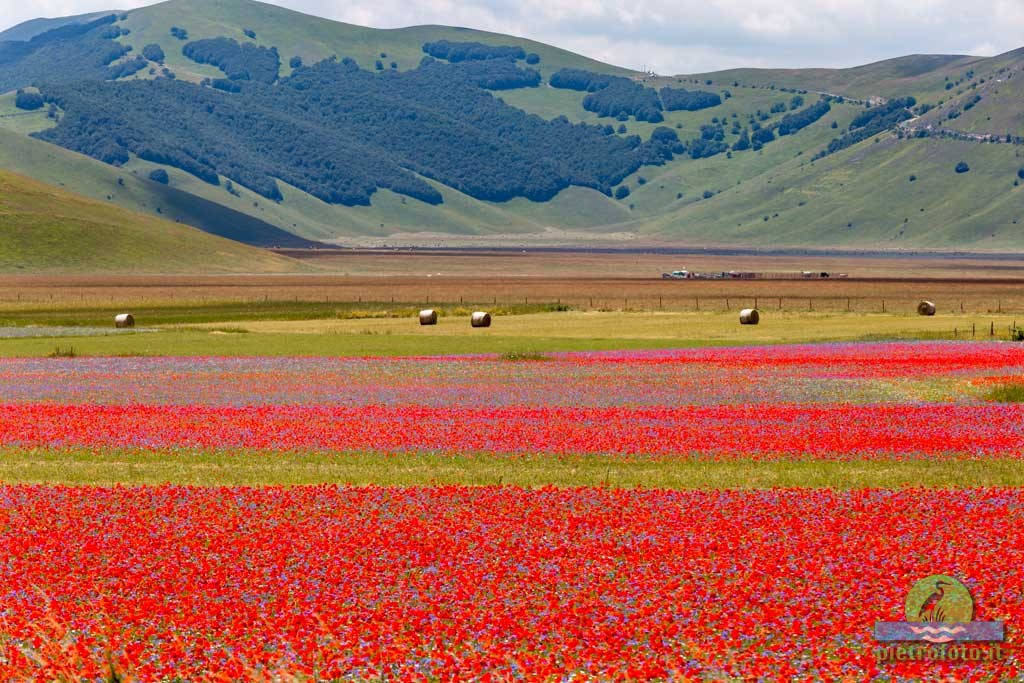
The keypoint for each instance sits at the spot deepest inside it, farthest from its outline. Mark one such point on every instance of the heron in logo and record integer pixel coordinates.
(939, 609)
(932, 609)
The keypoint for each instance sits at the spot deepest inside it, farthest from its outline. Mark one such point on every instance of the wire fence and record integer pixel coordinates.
(810, 304)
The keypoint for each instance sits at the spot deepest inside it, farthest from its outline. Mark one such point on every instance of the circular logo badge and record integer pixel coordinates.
(940, 598)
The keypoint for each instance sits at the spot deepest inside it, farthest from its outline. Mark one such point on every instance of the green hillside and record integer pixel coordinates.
(313, 38)
(786, 193)
(44, 229)
(864, 197)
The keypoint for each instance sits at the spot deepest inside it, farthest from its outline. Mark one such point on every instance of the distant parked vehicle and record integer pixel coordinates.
(676, 275)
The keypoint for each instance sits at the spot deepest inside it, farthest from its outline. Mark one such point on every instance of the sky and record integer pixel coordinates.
(678, 36)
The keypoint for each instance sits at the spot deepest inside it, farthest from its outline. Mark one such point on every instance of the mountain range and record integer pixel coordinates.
(274, 128)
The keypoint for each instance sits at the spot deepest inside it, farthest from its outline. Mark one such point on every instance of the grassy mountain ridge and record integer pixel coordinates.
(313, 38)
(776, 195)
(27, 30)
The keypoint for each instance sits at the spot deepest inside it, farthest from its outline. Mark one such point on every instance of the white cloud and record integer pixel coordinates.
(984, 50)
(678, 36)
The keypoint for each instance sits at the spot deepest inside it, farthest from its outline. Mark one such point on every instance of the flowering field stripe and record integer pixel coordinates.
(107, 467)
(823, 373)
(831, 432)
(490, 583)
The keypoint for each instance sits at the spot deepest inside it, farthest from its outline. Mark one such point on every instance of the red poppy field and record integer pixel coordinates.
(437, 582)
(486, 583)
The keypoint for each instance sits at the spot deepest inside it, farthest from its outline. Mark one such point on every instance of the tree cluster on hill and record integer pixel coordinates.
(743, 143)
(245, 62)
(761, 137)
(612, 96)
(159, 175)
(703, 148)
(225, 84)
(619, 97)
(872, 122)
(179, 33)
(461, 52)
(126, 68)
(111, 32)
(153, 53)
(796, 121)
(583, 81)
(892, 112)
(69, 53)
(339, 133)
(710, 143)
(680, 99)
(623, 98)
(29, 101)
(500, 74)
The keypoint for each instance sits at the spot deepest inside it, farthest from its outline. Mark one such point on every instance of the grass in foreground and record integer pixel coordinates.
(355, 333)
(1006, 393)
(229, 341)
(79, 467)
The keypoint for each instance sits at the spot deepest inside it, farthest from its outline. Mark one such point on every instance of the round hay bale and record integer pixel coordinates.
(124, 320)
(749, 316)
(926, 308)
(480, 319)
(428, 316)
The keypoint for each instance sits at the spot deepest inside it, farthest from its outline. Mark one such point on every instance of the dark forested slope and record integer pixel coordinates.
(340, 133)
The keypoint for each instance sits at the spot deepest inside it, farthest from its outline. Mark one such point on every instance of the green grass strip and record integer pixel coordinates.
(222, 342)
(76, 467)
